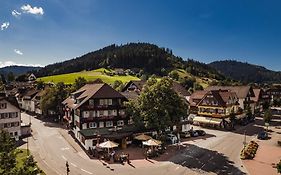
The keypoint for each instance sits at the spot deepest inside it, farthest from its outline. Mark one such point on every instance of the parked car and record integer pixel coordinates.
(262, 135)
(201, 132)
(185, 134)
(193, 133)
(171, 138)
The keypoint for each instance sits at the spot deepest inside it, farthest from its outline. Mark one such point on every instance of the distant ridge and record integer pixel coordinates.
(18, 70)
(245, 72)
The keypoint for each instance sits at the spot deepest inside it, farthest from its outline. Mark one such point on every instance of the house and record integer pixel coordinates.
(31, 77)
(96, 112)
(36, 102)
(134, 87)
(10, 116)
(27, 102)
(194, 99)
(119, 71)
(216, 106)
(137, 85)
(244, 94)
(274, 93)
(260, 99)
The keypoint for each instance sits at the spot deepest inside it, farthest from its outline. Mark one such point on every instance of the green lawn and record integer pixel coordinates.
(88, 75)
(21, 155)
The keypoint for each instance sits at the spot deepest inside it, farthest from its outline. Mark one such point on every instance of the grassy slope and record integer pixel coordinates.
(88, 75)
(204, 82)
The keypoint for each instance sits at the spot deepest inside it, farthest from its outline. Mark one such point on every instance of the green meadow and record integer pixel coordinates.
(88, 75)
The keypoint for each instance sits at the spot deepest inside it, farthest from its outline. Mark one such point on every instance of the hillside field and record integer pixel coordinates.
(89, 76)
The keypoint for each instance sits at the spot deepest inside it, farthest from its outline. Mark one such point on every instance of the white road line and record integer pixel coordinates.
(63, 158)
(66, 148)
(73, 164)
(177, 168)
(86, 171)
(183, 163)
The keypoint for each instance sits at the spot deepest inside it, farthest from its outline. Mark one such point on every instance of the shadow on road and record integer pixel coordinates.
(195, 157)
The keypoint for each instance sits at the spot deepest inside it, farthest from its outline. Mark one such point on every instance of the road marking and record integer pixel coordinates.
(177, 168)
(183, 162)
(73, 165)
(63, 157)
(86, 171)
(66, 148)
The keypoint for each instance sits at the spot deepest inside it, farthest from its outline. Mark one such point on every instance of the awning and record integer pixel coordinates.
(207, 120)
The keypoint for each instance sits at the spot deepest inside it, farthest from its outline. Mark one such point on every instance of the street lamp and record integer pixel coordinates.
(244, 142)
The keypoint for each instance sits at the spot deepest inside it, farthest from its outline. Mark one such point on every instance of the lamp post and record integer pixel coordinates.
(67, 168)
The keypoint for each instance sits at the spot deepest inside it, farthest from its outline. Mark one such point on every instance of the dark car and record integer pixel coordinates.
(201, 132)
(193, 133)
(262, 135)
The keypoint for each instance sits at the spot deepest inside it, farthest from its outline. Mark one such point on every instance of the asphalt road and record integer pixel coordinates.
(217, 154)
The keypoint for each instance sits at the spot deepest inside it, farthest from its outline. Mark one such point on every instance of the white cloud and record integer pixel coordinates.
(5, 25)
(16, 13)
(11, 63)
(32, 10)
(18, 52)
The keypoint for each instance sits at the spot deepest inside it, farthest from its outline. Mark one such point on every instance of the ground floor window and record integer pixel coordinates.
(92, 125)
(109, 124)
(120, 123)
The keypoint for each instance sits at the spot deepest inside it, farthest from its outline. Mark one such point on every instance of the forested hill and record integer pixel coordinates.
(17, 70)
(245, 72)
(148, 57)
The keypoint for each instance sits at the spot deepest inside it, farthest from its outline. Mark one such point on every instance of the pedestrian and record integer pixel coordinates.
(128, 160)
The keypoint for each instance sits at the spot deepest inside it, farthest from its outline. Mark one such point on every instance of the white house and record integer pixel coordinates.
(10, 116)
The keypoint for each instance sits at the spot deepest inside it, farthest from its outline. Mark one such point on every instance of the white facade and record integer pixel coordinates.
(10, 118)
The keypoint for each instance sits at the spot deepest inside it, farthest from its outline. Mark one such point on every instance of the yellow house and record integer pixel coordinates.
(218, 104)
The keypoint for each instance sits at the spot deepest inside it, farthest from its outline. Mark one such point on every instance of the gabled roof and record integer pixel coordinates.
(197, 95)
(30, 93)
(88, 91)
(138, 83)
(221, 96)
(258, 93)
(12, 100)
(241, 91)
(178, 88)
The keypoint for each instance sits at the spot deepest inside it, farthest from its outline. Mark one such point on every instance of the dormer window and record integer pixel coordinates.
(3, 105)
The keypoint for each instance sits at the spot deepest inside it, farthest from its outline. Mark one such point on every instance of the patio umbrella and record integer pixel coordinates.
(142, 137)
(152, 142)
(108, 144)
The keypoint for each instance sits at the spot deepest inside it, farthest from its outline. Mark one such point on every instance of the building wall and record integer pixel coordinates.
(14, 131)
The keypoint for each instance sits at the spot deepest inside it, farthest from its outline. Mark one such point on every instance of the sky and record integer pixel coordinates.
(41, 32)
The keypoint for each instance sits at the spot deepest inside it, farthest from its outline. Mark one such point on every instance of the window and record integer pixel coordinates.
(101, 124)
(3, 105)
(91, 102)
(101, 101)
(109, 101)
(120, 123)
(109, 124)
(101, 113)
(93, 125)
(109, 112)
(16, 134)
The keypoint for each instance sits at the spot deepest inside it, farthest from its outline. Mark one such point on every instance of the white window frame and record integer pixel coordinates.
(92, 125)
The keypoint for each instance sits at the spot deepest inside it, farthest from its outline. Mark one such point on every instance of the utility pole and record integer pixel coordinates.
(67, 168)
